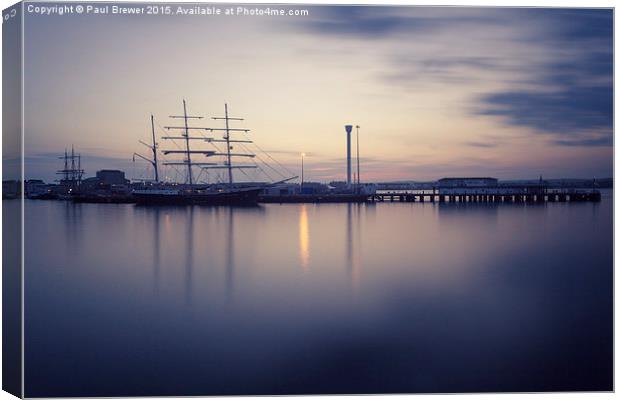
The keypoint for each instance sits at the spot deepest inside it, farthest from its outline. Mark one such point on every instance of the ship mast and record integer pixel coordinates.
(66, 170)
(79, 175)
(72, 165)
(228, 140)
(153, 148)
(230, 179)
(186, 137)
(187, 152)
(71, 173)
(189, 158)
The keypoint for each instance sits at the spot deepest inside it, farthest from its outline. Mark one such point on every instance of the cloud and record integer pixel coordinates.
(552, 67)
(565, 112)
(484, 145)
(571, 97)
(411, 68)
(589, 142)
(369, 22)
(364, 22)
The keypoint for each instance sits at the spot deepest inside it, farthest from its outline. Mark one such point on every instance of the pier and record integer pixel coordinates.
(453, 195)
(489, 196)
(111, 186)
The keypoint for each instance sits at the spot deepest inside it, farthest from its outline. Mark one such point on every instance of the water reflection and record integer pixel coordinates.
(353, 248)
(156, 248)
(230, 254)
(396, 298)
(189, 254)
(73, 227)
(467, 209)
(304, 237)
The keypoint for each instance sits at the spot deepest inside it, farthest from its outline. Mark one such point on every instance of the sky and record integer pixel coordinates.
(512, 93)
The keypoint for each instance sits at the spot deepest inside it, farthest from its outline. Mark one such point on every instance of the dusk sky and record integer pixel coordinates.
(502, 92)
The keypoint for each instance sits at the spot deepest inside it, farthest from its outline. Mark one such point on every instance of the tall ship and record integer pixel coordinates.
(71, 174)
(223, 193)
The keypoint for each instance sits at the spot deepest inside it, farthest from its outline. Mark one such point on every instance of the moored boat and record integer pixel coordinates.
(222, 193)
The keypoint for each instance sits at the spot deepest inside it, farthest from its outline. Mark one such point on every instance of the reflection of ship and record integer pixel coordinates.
(217, 194)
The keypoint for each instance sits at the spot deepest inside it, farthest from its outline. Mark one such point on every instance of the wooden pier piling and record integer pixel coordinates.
(499, 195)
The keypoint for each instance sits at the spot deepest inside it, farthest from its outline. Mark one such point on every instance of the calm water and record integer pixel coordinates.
(130, 300)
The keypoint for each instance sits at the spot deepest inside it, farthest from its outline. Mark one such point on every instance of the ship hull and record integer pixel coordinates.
(242, 197)
(109, 199)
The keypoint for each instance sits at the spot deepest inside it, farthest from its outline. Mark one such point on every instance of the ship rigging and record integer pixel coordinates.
(215, 159)
(192, 170)
(187, 152)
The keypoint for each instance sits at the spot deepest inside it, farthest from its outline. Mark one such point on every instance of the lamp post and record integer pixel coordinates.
(302, 172)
